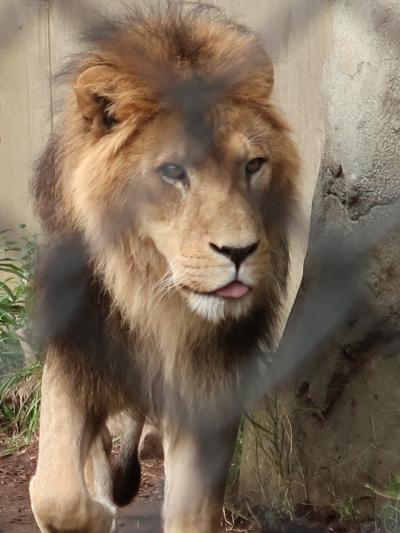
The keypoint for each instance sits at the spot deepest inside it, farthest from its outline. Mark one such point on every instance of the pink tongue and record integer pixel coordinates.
(233, 290)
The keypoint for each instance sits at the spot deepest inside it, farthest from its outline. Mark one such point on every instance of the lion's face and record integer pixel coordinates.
(193, 172)
(200, 206)
(203, 212)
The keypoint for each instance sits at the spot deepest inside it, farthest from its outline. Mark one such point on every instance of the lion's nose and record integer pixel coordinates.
(236, 255)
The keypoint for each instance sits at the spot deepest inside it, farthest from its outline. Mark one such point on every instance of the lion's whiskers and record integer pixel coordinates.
(168, 283)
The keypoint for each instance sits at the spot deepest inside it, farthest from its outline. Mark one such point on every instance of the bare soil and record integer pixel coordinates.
(144, 514)
(15, 511)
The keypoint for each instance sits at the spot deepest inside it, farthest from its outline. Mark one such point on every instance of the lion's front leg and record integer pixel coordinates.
(196, 466)
(60, 500)
(98, 475)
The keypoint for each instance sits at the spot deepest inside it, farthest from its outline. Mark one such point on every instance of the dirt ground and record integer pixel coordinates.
(15, 512)
(144, 514)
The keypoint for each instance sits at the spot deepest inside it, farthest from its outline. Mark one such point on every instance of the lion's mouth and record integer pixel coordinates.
(232, 291)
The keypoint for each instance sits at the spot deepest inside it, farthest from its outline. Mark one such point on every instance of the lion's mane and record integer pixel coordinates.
(106, 345)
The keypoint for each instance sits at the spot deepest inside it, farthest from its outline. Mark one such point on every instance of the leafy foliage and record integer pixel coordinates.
(20, 405)
(19, 384)
(16, 262)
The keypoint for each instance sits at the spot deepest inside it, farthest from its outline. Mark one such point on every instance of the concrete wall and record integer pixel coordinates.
(37, 36)
(24, 103)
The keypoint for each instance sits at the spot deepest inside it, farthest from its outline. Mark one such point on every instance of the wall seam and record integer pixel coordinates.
(50, 64)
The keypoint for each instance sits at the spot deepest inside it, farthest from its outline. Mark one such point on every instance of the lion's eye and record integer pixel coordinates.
(254, 165)
(172, 172)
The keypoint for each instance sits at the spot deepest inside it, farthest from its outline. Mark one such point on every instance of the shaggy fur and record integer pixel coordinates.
(124, 245)
(190, 63)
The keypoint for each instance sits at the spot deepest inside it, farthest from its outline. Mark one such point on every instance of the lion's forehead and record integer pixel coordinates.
(167, 139)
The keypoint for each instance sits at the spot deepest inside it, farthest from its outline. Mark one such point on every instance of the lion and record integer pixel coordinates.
(166, 194)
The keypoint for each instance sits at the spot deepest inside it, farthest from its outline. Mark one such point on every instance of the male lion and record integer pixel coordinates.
(166, 194)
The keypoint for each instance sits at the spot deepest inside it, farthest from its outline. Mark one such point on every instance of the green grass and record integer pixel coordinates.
(234, 471)
(389, 516)
(20, 406)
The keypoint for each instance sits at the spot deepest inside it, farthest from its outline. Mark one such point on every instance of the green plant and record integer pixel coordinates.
(391, 510)
(16, 262)
(19, 381)
(20, 406)
(389, 517)
(348, 511)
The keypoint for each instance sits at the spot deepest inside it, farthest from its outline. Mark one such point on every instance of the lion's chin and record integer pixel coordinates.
(213, 308)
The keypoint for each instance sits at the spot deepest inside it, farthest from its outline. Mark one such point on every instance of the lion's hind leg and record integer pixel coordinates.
(126, 467)
(60, 500)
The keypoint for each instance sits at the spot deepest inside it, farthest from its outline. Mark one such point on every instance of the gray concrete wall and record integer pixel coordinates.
(37, 37)
(24, 103)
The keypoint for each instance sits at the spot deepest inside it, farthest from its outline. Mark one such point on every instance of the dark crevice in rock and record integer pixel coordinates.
(349, 195)
(352, 359)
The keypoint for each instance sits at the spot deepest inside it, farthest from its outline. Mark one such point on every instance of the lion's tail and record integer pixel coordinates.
(126, 468)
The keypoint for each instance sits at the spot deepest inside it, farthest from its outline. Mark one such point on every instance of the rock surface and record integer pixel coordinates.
(331, 435)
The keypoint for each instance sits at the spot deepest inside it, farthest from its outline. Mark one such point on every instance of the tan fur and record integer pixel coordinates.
(188, 87)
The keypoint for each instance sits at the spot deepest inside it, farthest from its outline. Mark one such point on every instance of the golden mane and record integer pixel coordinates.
(185, 60)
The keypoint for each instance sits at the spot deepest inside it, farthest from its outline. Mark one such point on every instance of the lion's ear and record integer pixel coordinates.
(94, 90)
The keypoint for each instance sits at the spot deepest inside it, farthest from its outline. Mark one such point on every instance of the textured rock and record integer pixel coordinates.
(331, 436)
